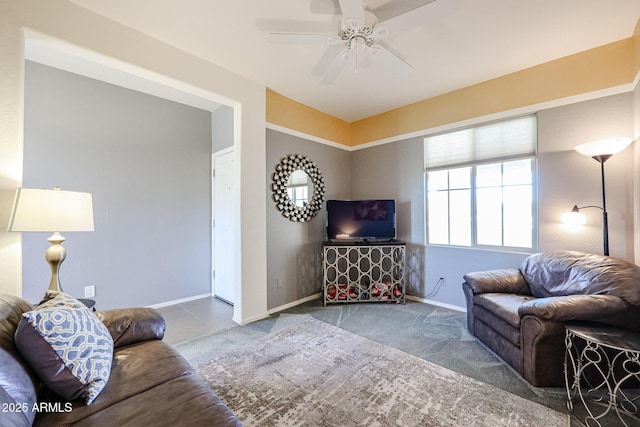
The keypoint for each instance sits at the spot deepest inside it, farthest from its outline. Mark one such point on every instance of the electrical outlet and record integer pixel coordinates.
(278, 282)
(89, 291)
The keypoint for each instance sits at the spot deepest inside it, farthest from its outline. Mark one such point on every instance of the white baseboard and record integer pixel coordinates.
(439, 304)
(250, 320)
(409, 297)
(297, 302)
(179, 301)
(294, 303)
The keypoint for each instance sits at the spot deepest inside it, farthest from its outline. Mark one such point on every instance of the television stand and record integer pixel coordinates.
(361, 271)
(362, 242)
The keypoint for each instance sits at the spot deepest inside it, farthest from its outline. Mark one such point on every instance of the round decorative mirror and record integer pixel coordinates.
(298, 188)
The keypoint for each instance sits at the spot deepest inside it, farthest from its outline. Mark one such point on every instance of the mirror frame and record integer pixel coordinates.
(280, 179)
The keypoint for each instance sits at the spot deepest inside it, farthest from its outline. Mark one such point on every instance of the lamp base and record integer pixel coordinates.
(55, 255)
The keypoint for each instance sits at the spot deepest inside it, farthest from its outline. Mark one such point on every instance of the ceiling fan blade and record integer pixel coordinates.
(336, 67)
(352, 9)
(327, 58)
(395, 8)
(380, 55)
(326, 7)
(301, 38)
(421, 15)
(297, 26)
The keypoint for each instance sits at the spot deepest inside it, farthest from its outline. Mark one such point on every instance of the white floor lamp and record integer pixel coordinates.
(36, 210)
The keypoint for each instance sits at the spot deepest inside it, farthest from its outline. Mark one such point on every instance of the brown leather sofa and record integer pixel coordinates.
(150, 384)
(520, 314)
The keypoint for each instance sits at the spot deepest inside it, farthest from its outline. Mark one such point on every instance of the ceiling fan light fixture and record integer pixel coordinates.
(370, 21)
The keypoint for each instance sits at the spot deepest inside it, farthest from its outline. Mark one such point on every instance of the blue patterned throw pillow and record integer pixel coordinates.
(67, 346)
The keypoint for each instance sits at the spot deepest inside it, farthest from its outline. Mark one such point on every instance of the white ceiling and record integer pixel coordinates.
(482, 40)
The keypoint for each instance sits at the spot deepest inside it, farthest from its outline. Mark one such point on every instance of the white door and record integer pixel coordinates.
(223, 242)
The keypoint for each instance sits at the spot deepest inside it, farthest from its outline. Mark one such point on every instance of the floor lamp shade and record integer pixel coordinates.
(603, 147)
(52, 211)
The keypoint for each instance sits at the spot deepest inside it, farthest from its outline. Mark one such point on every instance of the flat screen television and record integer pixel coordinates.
(361, 219)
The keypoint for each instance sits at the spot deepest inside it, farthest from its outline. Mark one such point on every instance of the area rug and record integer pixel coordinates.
(315, 374)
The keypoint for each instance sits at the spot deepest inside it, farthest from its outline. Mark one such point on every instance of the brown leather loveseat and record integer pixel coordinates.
(520, 314)
(150, 383)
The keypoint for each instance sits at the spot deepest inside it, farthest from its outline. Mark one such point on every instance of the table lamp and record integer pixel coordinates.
(36, 210)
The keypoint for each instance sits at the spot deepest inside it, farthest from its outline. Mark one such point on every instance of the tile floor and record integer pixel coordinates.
(195, 318)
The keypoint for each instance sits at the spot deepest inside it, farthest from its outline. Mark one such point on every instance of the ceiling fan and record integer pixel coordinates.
(363, 32)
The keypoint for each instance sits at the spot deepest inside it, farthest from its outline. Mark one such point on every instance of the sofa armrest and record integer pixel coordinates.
(573, 307)
(132, 325)
(507, 280)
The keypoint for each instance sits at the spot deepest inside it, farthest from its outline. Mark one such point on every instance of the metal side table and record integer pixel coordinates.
(600, 363)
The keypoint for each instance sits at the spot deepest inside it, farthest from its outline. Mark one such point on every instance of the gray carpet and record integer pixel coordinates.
(310, 373)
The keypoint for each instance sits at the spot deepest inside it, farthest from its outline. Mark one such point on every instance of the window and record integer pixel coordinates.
(480, 186)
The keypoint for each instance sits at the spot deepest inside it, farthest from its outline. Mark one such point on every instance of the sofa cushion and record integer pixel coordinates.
(573, 307)
(500, 313)
(564, 273)
(14, 414)
(18, 384)
(142, 375)
(135, 369)
(183, 401)
(67, 346)
(504, 306)
(506, 280)
(131, 325)
(18, 393)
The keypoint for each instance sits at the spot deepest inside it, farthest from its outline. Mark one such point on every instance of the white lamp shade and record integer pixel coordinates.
(603, 147)
(51, 211)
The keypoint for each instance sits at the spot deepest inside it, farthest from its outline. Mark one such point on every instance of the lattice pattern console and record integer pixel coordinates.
(364, 272)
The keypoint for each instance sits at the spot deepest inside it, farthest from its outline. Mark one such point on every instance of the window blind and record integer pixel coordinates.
(494, 141)
(298, 177)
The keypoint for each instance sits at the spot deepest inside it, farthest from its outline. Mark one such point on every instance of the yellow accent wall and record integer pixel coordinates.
(635, 45)
(286, 112)
(600, 68)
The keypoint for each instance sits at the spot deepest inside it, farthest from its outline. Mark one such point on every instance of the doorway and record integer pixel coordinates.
(222, 226)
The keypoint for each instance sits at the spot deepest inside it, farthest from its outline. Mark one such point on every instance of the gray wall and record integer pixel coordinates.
(147, 162)
(568, 178)
(222, 128)
(294, 248)
(394, 171)
(565, 178)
